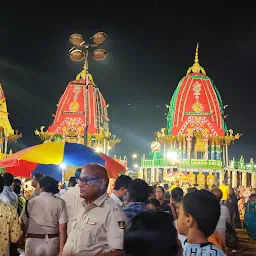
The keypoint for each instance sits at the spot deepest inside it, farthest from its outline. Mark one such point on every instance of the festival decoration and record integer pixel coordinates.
(200, 179)
(7, 134)
(210, 180)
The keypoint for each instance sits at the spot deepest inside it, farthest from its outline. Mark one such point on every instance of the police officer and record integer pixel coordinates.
(44, 221)
(99, 226)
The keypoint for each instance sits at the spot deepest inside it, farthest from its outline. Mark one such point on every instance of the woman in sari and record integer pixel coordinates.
(250, 217)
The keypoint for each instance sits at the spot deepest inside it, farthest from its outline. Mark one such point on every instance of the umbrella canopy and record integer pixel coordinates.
(48, 157)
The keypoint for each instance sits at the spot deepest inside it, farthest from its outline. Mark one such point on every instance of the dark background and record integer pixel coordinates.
(150, 45)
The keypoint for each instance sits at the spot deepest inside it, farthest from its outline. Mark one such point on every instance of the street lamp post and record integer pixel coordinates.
(80, 51)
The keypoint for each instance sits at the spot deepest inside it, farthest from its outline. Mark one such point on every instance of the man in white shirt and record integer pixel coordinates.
(120, 189)
(224, 215)
(73, 200)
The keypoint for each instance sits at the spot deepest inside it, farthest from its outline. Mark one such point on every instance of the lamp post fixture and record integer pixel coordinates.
(80, 52)
(133, 157)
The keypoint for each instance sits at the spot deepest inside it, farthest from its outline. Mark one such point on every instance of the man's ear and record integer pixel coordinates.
(189, 221)
(103, 184)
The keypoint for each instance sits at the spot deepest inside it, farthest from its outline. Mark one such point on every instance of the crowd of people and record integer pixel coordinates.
(134, 219)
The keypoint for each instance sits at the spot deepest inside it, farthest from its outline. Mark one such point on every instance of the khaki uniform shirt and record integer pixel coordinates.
(45, 212)
(73, 203)
(98, 228)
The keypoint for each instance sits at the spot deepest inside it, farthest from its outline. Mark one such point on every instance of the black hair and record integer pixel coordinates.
(138, 190)
(122, 181)
(252, 196)
(8, 179)
(166, 186)
(38, 176)
(218, 193)
(154, 202)
(73, 181)
(17, 189)
(163, 190)
(1, 183)
(204, 207)
(49, 184)
(150, 190)
(151, 233)
(17, 182)
(189, 190)
(177, 194)
(78, 173)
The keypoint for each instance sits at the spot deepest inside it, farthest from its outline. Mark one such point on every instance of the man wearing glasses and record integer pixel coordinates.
(99, 225)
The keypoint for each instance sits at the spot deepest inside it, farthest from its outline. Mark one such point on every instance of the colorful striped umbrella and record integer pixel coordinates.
(48, 157)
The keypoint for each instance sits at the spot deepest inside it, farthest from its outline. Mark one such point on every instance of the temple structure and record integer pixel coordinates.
(75, 110)
(194, 145)
(7, 134)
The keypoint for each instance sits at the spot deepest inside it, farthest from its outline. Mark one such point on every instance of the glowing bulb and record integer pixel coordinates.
(172, 155)
(62, 166)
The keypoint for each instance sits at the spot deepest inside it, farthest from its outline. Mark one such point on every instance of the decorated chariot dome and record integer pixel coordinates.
(73, 110)
(81, 104)
(196, 105)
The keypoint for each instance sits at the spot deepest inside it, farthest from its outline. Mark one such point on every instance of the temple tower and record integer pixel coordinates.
(74, 110)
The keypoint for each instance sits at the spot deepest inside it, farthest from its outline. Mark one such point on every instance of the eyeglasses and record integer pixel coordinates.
(86, 180)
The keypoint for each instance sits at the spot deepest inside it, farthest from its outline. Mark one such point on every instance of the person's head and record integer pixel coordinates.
(151, 233)
(17, 189)
(191, 189)
(160, 193)
(121, 186)
(1, 183)
(199, 212)
(36, 179)
(93, 182)
(217, 192)
(177, 194)
(153, 204)
(8, 179)
(72, 181)
(49, 185)
(177, 183)
(252, 197)
(78, 173)
(166, 186)
(17, 182)
(138, 191)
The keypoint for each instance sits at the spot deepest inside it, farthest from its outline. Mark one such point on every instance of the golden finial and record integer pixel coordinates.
(196, 68)
(196, 54)
(81, 75)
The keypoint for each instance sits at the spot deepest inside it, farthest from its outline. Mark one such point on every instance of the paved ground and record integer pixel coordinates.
(246, 246)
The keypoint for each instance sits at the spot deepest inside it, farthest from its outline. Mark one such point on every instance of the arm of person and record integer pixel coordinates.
(15, 229)
(63, 236)
(24, 219)
(228, 215)
(115, 226)
(63, 219)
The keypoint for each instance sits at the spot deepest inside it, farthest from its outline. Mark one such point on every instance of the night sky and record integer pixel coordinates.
(150, 48)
